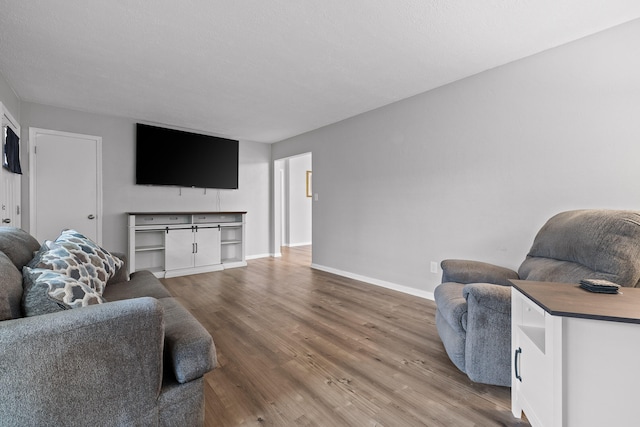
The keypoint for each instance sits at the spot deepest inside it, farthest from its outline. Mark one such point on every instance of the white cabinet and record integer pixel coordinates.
(532, 369)
(175, 244)
(192, 248)
(574, 355)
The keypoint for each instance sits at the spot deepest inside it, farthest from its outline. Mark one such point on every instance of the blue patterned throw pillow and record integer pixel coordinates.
(48, 291)
(80, 258)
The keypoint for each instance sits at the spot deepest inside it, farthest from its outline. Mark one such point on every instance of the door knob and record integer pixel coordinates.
(6, 221)
(91, 216)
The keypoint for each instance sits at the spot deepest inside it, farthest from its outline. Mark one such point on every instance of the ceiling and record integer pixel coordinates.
(268, 70)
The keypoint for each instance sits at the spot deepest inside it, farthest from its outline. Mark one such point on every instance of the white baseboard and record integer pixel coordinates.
(381, 283)
(293, 245)
(248, 257)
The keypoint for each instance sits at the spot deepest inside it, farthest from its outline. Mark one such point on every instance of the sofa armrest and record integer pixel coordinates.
(488, 341)
(93, 361)
(463, 271)
(189, 349)
(121, 275)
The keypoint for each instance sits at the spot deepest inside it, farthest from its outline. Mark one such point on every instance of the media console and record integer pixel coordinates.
(574, 355)
(171, 244)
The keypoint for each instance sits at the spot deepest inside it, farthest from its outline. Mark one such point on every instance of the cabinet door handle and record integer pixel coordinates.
(516, 359)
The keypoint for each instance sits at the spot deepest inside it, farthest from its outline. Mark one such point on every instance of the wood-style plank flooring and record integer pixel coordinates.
(301, 347)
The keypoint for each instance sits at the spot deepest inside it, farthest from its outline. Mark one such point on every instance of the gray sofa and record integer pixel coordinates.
(136, 360)
(473, 315)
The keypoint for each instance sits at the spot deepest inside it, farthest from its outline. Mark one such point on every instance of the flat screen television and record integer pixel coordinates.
(173, 157)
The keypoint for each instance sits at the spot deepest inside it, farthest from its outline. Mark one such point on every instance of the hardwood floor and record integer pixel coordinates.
(301, 347)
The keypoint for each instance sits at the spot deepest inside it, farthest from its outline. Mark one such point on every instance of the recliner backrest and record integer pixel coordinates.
(575, 245)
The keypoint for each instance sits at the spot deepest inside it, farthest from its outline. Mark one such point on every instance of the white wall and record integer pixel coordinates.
(9, 98)
(299, 205)
(473, 169)
(121, 195)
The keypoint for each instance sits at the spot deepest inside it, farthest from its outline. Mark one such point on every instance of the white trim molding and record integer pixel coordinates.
(381, 283)
(293, 245)
(248, 257)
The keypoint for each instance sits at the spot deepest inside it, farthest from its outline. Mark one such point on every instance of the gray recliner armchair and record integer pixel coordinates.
(473, 302)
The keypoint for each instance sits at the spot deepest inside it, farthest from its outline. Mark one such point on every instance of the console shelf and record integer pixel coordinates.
(173, 244)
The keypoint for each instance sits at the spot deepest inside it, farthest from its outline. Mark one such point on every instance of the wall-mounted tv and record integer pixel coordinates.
(173, 157)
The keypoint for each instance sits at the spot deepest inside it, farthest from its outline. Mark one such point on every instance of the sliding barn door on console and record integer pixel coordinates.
(65, 184)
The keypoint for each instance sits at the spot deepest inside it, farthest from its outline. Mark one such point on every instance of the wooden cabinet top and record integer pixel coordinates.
(569, 300)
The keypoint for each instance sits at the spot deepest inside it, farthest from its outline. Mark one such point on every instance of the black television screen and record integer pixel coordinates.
(173, 157)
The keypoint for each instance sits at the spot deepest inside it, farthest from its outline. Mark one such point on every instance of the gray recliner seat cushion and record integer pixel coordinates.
(583, 244)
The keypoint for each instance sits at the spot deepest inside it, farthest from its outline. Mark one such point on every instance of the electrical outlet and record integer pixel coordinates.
(434, 267)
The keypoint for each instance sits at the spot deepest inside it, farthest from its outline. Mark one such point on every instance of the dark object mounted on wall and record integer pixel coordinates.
(185, 159)
(11, 152)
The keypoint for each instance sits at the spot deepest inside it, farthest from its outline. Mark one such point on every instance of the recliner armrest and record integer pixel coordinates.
(464, 271)
(488, 339)
(490, 296)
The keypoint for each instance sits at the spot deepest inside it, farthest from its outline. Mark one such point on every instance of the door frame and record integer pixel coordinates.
(33, 206)
(280, 203)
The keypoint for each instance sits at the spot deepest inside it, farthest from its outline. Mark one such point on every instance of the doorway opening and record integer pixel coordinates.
(292, 203)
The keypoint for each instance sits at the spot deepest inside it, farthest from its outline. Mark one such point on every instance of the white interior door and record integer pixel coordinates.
(10, 183)
(10, 199)
(65, 184)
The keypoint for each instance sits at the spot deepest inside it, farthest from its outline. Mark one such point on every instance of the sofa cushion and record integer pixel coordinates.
(18, 245)
(80, 258)
(48, 291)
(121, 274)
(142, 284)
(10, 289)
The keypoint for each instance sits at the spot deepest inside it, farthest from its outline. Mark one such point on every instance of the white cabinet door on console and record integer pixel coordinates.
(192, 247)
(179, 249)
(207, 242)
